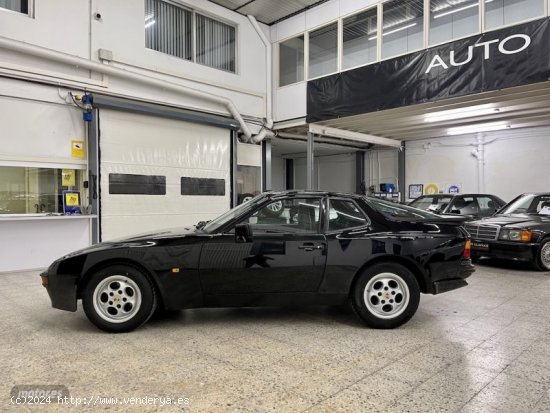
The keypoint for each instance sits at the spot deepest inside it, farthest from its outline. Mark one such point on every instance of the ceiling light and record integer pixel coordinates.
(482, 127)
(399, 29)
(469, 6)
(471, 111)
(150, 23)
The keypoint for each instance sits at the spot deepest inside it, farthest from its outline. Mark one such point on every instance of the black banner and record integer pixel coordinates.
(509, 57)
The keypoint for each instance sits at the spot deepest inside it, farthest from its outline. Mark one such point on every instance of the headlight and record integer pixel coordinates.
(521, 235)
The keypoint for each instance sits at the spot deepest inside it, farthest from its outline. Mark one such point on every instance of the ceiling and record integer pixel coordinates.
(519, 107)
(268, 11)
(296, 148)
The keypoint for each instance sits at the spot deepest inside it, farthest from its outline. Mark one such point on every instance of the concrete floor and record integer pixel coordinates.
(483, 348)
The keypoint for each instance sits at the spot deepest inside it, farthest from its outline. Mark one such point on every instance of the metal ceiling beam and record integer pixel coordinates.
(353, 136)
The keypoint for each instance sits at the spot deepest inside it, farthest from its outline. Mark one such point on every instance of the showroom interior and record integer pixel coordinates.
(132, 116)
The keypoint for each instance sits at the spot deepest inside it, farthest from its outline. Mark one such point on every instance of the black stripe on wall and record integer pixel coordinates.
(127, 184)
(202, 186)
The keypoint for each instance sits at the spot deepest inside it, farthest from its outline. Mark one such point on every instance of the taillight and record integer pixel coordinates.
(467, 250)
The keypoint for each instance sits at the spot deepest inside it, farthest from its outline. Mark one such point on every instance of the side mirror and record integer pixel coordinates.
(243, 233)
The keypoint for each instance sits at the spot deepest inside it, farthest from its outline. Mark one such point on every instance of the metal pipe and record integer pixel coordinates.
(49, 54)
(480, 163)
(266, 131)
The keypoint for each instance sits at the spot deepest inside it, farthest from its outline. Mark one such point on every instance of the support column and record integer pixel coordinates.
(233, 169)
(92, 137)
(310, 183)
(266, 165)
(289, 173)
(360, 186)
(401, 176)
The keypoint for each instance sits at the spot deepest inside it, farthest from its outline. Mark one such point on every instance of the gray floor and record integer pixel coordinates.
(484, 348)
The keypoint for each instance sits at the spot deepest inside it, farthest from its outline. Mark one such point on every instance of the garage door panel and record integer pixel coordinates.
(145, 145)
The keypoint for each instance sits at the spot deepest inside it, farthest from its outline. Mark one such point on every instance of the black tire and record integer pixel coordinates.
(542, 260)
(392, 289)
(475, 259)
(119, 298)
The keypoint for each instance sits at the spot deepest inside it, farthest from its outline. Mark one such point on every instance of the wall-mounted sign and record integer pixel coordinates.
(68, 177)
(71, 202)
(453, 188)
(431, 189)
(415, 191)
(77, 149)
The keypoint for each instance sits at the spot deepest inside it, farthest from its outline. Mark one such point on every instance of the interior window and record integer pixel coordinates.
(295, 215)
(344, 215)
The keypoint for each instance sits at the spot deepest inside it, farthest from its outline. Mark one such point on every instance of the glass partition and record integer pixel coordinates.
(359, 39)
(505, 12)
(323, 50)
(402, 27)
(27, 190)
(291, 61)
(451, 19)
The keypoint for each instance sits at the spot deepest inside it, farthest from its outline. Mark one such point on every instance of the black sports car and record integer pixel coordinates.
(473, 206)
(519, 231)
(323, 249)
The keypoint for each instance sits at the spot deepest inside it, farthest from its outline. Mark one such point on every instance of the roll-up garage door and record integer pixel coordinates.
(158, 173)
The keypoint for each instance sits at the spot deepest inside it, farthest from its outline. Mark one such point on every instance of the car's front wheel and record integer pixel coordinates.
(119, 298)
(543, 256)
(386, 295)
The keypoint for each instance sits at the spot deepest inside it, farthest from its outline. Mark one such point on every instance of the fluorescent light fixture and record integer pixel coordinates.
(482, 127)
(408, 26)
(469, 6)
(149, 16)
(150, 23)
(471, 111)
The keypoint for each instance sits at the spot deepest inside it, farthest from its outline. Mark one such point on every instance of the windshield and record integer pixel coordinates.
(393, 210)
(528, 204)
(214, 225)
(431, 203)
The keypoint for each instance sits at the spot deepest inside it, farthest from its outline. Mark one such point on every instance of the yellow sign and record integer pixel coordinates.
(72, 199)
(68, 177)
(77, 149)
(431, 189)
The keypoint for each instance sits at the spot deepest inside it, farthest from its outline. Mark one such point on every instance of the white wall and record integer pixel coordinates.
(332, 173)
(380, 167)
(509, 166)
(68, 26)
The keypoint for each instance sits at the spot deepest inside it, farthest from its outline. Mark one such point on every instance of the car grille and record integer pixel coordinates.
(488, 232)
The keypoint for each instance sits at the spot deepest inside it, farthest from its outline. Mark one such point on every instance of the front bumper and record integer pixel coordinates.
(507, 250)
(447, 276)
(61, 289)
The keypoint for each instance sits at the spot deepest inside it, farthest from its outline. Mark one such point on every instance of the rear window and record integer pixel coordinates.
(432, 203)
(398, 211)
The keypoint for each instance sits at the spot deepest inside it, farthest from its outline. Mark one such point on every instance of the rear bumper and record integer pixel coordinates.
(61, 289)
(447, 276)
(507, 250)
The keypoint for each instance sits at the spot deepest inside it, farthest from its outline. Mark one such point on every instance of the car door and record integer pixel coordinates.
(286, 252)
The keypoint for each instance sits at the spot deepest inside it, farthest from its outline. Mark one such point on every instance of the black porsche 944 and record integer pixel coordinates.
(280, 248)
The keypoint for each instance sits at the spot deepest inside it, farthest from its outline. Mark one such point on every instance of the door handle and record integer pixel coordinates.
(310, 246)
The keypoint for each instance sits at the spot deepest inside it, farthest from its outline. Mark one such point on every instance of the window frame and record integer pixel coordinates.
(338, 49)
(337, 231)
(305, 65)
(194, 12)
(30, 12)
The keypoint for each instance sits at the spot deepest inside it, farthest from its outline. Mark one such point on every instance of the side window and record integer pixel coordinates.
(296, 215)
(465, 205)
(487, 205)
(344, 214)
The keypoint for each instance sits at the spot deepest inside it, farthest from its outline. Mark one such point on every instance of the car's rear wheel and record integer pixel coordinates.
(543, 256)
(386, 295)
(119, 298)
